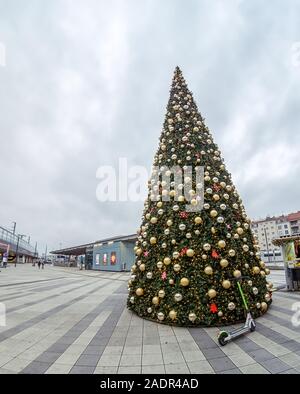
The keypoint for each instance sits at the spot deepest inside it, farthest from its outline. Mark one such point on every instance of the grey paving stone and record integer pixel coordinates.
(82, 370)
(275, 365)
(222, 364)
(48, 357)
(97, 350)
(88, 360)
(234, 371)
(261, 355)
(213, 353)
(36, 367)
(289, 372)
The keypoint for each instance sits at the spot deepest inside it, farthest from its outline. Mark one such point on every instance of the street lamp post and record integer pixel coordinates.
(17, 248)
(267, 243)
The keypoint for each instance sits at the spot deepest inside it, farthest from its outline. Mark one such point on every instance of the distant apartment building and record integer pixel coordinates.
(294, 220)
(275, 227)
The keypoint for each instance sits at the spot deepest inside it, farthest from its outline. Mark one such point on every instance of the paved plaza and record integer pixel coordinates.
(67, 321)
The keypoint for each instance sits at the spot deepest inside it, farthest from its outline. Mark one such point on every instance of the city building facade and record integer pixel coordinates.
(270, 228)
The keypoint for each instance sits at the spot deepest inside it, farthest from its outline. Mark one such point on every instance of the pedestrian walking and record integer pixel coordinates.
(5, 258)
(39, 264)
(43, 264)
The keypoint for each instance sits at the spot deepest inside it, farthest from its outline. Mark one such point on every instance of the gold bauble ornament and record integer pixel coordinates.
(139, 292)
(239, 230)
(176, 267)
(220, 314)
(237, 274)
(262, 264)
(204, 257)
(263, 274)
(231, 253)
(213, 230)
(224, 263)
(171, 282)
(212, 293)
(155, 300)
(167, 261)
(172, 193)
(190, 252)
(169, 223)
(153, 220)
(181, 198)
(264, 306)
(226, 284)
(159, 265)
(133, 268)
(153, 240)
(267, 271)
(139, 252)
(267, 297)
(142, 267)
(192, 317)
(148, 216)
(222, 244)
(173, 315)
(208, 270)
(216, 197)
(194, 201)
(198, 220)
(213, 213)
(256, 270)
(184, 282)
(161, 293)
(159, 204)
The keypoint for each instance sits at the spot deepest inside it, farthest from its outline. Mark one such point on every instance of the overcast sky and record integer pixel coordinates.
(87, 82)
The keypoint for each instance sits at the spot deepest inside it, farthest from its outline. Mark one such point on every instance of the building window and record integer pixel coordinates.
(104, 259)
(285, 226)
(113, 258)
(279, 227)
(286, 232)
(97, 259)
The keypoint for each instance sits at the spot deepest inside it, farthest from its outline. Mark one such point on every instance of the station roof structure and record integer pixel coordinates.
(81, 249)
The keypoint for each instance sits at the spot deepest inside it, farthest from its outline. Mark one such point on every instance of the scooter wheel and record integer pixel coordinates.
(252, 327)
(221, 338)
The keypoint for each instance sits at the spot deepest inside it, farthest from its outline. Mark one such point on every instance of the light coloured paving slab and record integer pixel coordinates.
(59, 369)
(129, 370)
(241, 360)
(254, 369)
(200, 367)
(106, 370)
(178, 368)
(153, 369)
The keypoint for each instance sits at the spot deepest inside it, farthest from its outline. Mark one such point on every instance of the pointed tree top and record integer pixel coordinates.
(177, 72)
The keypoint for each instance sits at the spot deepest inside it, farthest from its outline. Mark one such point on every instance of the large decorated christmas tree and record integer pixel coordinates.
(195, 240)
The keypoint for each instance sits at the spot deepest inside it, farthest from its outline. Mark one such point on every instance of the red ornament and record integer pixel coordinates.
(214, 308)
(183, 215)
(229, 226)
(216, 187)
(164, 275)
(215, 254)
(183, 251)
(146, 254)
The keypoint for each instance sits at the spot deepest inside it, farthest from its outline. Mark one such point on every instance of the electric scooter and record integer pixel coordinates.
(249, 326)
